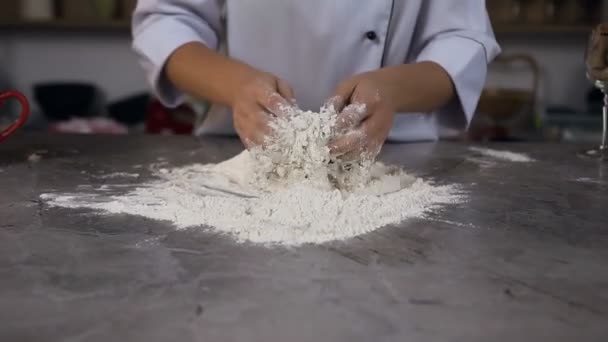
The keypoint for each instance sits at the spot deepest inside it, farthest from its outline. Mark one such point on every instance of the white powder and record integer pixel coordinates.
(588, 180)
(283, 194)
(482, 163)
(118, 175)
(34, 158)
(298, 149)
(502, 155)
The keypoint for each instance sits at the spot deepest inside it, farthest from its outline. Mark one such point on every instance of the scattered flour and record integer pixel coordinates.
(119, 175)
(588, 180)
(482, 163)
(34, 158)
(285, 193)
(502, 155)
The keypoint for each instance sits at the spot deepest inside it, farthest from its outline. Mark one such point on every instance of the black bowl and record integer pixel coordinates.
(62, 101)
(131, 110)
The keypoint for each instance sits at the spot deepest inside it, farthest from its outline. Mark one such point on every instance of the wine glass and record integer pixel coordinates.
(596, 63)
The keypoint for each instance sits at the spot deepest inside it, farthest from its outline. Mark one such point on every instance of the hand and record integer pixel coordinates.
(260, 97)
(254, 96)
(365, 117)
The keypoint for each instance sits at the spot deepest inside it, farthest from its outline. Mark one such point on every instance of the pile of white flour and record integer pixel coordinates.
(286, 193)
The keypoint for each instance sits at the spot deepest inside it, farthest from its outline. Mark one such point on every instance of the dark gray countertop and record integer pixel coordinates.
(524, 259)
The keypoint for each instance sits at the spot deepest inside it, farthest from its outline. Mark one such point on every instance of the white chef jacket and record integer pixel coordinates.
(315, 44)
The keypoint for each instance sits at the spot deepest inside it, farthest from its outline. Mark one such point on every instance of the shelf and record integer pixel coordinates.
(64, 25)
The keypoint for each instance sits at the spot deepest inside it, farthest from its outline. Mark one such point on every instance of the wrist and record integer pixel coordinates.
(238, 75)
(390, 88)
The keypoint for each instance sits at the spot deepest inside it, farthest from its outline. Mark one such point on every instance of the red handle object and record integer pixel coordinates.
(25, 112)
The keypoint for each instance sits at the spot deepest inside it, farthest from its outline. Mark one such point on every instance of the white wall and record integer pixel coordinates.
(104, 59)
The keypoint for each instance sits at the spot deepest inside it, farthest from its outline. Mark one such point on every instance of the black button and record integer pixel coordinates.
(371, 35)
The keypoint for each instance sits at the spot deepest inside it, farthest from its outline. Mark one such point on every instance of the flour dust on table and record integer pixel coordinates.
(502, 155)
(289, 192)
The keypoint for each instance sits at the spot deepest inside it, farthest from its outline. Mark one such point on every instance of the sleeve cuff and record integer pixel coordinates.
(155, 44)
(465, 60)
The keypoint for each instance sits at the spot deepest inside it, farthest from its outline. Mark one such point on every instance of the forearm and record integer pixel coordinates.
(419, 87)
(201, 72)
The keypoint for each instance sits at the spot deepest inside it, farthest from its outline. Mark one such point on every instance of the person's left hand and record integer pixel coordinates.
(365, 117)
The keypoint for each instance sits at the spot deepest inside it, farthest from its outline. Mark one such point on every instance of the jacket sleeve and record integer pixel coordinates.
(159, 27)
(458, 36)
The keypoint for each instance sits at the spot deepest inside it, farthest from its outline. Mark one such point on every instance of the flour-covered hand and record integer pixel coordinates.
(364, 120)
(260, 98)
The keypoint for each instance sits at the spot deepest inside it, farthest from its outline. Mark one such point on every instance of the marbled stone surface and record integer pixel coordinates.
(525, 258)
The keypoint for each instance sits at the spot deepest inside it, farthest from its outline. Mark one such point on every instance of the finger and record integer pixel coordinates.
(248, 142)
(277, 105)
(257, 118)
(261, 135)
(365, 149)
(342, 95)
(253, 126)
(286, 91)
(266, 95)
(351, 157)
(352, 116)
(376, 129)
(347, 143)
(334, 104)
(248, 138)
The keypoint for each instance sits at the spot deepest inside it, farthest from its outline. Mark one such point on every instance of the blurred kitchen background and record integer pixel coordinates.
(73, 60)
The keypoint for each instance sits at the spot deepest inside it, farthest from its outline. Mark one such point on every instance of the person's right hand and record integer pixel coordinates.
(259, 98)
